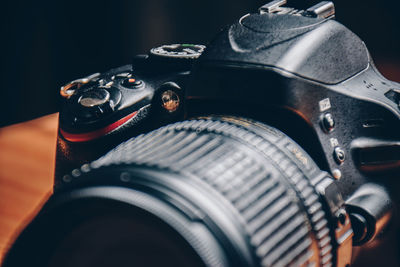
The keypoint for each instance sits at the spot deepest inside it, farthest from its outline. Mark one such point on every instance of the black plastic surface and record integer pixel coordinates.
(316, 49)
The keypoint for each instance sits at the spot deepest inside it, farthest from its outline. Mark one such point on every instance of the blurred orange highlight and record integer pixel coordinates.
(27, 160)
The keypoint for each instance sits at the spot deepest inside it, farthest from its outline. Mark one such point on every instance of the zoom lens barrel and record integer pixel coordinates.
(214, 191)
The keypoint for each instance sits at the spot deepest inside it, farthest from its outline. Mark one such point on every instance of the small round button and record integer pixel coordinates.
(328, 123)
(339, 155)
(132, 83)
(94, 98)
(337, 174)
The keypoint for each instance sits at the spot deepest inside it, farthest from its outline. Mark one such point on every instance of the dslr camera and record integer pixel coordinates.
(276, 144)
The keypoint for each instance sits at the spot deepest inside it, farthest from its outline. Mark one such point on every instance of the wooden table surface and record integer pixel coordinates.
(27, 158)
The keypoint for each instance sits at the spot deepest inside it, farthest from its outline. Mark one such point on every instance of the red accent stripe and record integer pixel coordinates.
(84, 137)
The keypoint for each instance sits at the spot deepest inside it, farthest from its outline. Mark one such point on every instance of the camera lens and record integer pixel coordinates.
(214, 191)
(113, 235)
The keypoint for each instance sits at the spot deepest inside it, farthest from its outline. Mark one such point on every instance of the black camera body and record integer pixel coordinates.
(305, 74)
(298, 71)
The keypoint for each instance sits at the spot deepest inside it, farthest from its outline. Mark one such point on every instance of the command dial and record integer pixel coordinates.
(184, 51)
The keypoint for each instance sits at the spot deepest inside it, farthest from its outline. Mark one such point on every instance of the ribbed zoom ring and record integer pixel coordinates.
(268, 180)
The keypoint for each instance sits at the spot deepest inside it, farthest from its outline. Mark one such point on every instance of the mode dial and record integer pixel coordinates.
(182, 51)
(167, 58)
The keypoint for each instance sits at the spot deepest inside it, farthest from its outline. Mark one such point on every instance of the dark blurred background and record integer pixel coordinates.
(46, 44)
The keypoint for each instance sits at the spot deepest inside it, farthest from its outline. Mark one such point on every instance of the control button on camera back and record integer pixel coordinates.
(328, 123)
(339, 155)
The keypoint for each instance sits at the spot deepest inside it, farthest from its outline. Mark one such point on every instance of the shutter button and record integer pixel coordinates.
(94, 98)
(93, 103)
